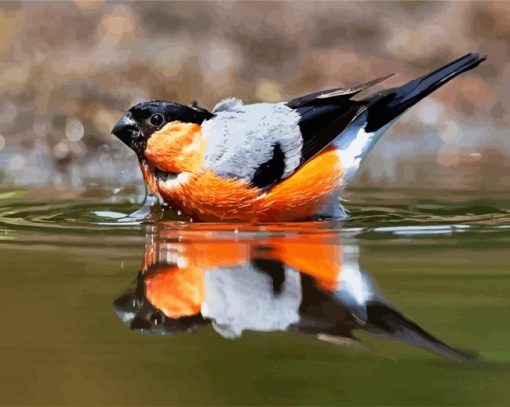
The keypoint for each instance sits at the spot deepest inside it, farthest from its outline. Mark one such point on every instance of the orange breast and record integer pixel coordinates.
(179, 148)
(209, 197)
(302, 194)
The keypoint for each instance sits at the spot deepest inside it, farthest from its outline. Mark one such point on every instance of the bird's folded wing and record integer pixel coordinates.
(334, 95)
(259, 143)
(325, 115)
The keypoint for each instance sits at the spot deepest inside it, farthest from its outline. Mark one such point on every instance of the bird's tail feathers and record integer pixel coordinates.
(388, 322)
(383, 108)
(386, 106)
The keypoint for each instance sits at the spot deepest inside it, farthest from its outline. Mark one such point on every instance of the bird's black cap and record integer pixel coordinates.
(143, 119)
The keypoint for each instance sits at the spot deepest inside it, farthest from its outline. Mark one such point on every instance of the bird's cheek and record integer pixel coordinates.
(176, 148)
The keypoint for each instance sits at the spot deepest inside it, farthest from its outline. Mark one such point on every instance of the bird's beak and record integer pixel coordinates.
(127, 130)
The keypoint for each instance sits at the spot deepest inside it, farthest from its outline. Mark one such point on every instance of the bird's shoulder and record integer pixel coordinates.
(259, 143)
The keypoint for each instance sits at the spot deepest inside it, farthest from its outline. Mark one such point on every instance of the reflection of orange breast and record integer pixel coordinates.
(179, 289)
(177, 292)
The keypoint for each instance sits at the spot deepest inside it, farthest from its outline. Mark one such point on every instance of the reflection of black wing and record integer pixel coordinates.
(321, 313)
(388, 322)
(274, 269)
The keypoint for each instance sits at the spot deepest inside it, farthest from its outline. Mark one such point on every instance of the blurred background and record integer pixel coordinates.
(69, 70)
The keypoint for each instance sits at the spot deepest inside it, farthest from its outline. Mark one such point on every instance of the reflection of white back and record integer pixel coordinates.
(243, 298)
(356, 287)
(354, 143)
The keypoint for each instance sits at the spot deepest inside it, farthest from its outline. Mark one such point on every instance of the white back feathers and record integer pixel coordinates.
(240, 138)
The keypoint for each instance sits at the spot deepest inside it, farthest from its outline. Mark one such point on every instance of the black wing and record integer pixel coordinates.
(325, 114)
(331, 96)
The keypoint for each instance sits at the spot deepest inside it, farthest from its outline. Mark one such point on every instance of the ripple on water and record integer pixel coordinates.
(372, 214)
(391, 226)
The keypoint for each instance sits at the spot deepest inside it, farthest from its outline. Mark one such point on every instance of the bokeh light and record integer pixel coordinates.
(69, 70)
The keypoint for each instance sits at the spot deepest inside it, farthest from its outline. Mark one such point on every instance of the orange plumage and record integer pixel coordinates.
(177, 292)
(268, 161)
(179, 148)
(179, 289)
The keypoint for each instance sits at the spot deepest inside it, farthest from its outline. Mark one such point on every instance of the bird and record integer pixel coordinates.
(189, 280)
(268, 162)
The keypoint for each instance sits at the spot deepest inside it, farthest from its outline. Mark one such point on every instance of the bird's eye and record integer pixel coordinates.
(157, 318)
(157, 119)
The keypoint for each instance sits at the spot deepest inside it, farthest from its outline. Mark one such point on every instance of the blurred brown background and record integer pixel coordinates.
(69, 70)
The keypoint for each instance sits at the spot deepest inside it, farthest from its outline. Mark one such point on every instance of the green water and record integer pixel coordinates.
(442, 259)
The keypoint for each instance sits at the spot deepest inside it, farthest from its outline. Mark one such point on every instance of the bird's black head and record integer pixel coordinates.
(143, 119)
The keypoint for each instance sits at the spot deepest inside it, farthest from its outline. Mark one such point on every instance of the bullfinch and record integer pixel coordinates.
(267, 162)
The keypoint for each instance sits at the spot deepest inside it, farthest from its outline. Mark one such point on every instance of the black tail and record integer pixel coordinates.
(388, 105)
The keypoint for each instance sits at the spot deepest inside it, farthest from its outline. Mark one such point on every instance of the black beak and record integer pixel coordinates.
(127, 130)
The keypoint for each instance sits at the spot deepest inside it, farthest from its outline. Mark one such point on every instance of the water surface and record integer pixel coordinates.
(392, 306)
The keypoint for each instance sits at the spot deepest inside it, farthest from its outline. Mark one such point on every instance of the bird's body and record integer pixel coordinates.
(267, 162)
(202, 191)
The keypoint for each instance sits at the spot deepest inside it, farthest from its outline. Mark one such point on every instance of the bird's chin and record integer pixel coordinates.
(165, 176)
(169, 180)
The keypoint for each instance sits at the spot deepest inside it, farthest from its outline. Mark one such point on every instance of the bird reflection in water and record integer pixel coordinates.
(299, 279)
